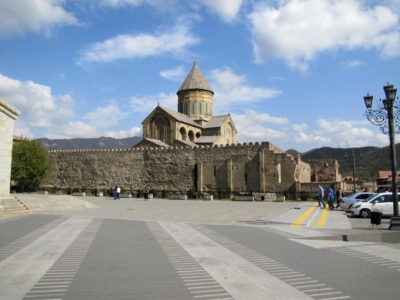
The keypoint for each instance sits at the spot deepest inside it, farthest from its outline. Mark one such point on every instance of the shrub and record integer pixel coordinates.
(304, 196)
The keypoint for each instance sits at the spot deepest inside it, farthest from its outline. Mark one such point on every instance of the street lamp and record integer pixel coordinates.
(389, 123)
(353, 156)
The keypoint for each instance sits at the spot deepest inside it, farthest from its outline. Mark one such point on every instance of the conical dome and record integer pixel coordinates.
(195, 80)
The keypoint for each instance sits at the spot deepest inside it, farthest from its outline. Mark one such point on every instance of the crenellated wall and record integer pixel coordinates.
(249, 167)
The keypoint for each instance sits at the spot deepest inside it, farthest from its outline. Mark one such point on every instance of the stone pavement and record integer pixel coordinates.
(278, 216)
(99, 248)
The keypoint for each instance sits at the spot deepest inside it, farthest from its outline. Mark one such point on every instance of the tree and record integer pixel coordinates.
(29, 164)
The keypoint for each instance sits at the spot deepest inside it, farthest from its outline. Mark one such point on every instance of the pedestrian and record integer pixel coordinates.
(116, 192)
(338, 197)
(146, 194)
(320, 196)
(331, 197)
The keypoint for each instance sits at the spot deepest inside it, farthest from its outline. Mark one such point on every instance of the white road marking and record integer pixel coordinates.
(243, 280)
(21, 271)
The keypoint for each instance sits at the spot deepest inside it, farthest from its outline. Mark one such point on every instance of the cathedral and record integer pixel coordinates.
(194, 123)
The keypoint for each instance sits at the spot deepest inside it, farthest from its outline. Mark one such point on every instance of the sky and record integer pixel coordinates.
(291, 72)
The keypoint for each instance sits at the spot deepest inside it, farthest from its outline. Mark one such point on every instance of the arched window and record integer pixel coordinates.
(182, 131)
(160, 128)
(198, 135)
(191, 136)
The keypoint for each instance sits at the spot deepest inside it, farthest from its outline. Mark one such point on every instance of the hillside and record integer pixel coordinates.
(89, 143)
(368, 160)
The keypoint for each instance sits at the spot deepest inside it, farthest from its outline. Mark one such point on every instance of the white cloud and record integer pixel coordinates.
(338, 133)
(300, 127)
(231, 88)
(298, 30)
(160, 5)
(119, 3)
(76, 129)
(227, 10)
(18, 17)
(148, 103)
(174, 41)
(106, 116)
(175, 74)
(53, 116)
(120, 134)
(353, 64)
(253, 126)
(39, 107)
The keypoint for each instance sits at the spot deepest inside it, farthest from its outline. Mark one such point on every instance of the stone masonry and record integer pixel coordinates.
(7, 116)
(258, 167)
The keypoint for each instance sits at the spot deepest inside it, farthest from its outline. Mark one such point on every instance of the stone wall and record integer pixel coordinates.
(7, 116)
(325, 170)
(238, 168)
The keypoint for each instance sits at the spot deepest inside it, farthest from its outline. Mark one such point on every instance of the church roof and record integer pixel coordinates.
(157, 142)
(216, 121)
(195, 80)
(180, 117)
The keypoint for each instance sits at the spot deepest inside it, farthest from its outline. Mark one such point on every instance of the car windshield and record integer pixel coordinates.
(368, 199)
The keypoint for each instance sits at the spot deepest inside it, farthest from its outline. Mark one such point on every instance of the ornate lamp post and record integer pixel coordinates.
(387, 117)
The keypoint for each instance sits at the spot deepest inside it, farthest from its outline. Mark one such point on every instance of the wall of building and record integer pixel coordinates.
(7, 116)
(195, 103)
(240, 167)
(325, 169)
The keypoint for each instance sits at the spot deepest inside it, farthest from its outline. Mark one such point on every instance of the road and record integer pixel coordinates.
(295, 253)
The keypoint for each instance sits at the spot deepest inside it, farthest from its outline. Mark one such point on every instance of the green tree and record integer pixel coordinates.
(29, 164)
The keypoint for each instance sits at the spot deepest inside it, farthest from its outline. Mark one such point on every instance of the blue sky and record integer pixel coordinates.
(292, 72)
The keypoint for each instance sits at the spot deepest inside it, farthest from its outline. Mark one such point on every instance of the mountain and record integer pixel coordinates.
(368, 160)
(89, 143)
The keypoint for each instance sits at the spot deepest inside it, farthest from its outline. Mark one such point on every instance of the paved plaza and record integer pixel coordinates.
(99, 248)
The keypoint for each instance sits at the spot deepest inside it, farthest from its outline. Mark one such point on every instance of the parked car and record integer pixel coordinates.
(381, 202)
(347, 202)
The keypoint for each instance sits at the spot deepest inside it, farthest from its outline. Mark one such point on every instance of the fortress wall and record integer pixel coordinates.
(239, 167)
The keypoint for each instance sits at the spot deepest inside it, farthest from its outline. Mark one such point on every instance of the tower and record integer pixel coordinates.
(195, 96)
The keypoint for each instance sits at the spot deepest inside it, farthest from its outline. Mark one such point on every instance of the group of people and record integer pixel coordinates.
(117, 191)
(330, 196)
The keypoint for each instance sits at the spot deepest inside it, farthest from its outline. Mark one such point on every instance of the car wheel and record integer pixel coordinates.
(365, 213)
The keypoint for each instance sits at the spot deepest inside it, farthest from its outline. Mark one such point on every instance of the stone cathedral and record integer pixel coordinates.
(194, 123)
(190, 149)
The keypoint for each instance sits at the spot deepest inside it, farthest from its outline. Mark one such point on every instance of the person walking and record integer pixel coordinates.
(338, 197)
(331, 197)
(117, 191)
(320, 196)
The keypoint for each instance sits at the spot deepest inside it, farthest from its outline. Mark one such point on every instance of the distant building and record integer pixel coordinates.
(350, 179)
(385, 178)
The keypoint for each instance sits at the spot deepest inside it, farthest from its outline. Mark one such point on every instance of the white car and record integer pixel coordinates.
(347, 202)
(381, 202)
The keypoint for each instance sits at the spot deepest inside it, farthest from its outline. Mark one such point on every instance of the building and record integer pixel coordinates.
(190, 150)
(8, 114)
(194, 123)
(385, 178)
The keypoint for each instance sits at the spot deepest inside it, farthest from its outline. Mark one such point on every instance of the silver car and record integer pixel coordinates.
(381, 202)
(347, 202)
